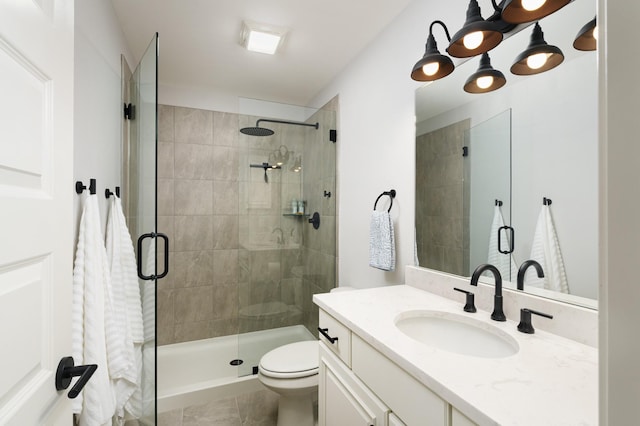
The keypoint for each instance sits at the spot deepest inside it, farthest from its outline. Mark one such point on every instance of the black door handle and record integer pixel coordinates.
(324, 331)
(66, 370)
(166, 256)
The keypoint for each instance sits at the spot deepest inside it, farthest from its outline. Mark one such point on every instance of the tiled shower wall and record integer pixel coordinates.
(198, 209)
(236, 256)
(442, 239)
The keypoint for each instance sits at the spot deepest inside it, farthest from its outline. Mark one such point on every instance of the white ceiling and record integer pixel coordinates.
(199, 42)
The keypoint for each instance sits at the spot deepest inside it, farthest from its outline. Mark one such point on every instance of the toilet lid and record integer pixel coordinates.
(298, 359)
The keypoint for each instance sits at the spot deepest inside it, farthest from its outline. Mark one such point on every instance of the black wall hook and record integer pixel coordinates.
(80, 187)
(391, 194)
(108, 193)
(498, 203)
(546, 201)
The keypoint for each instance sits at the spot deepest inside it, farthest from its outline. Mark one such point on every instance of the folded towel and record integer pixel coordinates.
(91, 285)
(382, 253)
(545, 249)
(504, 262)
(127, 369)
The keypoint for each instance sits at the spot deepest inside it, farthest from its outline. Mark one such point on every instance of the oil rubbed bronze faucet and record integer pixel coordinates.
(498, 314)
(523, 269)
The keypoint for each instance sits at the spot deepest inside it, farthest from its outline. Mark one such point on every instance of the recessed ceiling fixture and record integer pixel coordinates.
(261, 38)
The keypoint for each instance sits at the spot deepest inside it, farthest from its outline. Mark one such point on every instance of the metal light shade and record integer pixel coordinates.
(432, 55)
(443, 64)
(491, 35)
(537, 46)
(585, 39)
(485, 70)
(515, 11)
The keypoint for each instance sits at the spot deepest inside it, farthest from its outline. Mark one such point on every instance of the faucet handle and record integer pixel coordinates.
(525, 325)
(470, 302)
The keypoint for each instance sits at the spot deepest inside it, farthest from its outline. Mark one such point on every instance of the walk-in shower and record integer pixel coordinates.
(263, 131)
(245, 264)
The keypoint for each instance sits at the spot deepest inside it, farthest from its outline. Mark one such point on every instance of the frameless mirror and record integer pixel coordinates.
(549, 121)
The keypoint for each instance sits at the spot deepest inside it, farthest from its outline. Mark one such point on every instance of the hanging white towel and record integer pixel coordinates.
(545, 250)
(128, 305)
(382, 252)
(504, 262)
(91, 283)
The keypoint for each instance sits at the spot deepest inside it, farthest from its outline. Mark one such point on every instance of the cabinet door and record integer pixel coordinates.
(343, 408)
(395, 421)
(343, 400)
(459, 419)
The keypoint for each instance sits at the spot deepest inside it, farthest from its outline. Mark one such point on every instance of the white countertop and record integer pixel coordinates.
(550, 381)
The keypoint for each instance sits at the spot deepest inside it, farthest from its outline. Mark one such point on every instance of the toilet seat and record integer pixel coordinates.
(295, 360)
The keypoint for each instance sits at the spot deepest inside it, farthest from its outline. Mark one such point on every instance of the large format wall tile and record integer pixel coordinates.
(193, 126)
(193, 161)
(193, 233)
(193, 197)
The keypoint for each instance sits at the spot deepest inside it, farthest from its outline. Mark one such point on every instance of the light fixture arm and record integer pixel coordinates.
(496, 7)
(446, 31)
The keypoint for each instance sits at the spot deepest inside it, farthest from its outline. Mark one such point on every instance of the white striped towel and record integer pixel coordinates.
(382, 252)
(128, 307)
(545, 249)
(91, 282)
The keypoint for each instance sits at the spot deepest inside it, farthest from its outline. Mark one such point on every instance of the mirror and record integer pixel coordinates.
(547, 127)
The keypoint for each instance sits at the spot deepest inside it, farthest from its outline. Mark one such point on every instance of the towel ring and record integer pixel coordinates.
(391, 194)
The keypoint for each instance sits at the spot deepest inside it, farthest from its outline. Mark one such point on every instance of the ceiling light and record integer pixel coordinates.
(476, 36)
(433, 64)
(261, 38)
(587, 38)
(520, 11)
(485, 79)
(538, 57)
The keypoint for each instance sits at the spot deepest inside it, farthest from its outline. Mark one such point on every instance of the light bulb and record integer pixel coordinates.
(484, 82)
(431, 68)
(473, 40)
(531, 5)
(595, 32)
(537, 61)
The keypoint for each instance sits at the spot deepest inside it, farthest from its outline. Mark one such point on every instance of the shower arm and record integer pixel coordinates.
(294, 123)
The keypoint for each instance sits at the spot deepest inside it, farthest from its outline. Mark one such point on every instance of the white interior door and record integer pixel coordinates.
(36, 190)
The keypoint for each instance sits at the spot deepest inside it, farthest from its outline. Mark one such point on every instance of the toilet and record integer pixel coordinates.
(291, 371)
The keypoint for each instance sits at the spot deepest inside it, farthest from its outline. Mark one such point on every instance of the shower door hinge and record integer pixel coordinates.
(333, 135)
(129, 111)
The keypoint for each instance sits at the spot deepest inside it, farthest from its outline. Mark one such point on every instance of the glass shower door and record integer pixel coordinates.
(142, 206)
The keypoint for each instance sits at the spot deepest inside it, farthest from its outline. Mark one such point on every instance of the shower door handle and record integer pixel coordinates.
(511, 241)
(166, 256)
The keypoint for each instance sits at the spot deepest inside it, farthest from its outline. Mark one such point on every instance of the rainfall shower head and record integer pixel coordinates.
(256, 131)
(263, 131)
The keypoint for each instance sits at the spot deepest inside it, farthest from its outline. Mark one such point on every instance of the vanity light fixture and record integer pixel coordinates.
(433, 64)
(261, 38)
(587, 38)
(521, 11)
(538, 56)
(476, 35)
(485, 79)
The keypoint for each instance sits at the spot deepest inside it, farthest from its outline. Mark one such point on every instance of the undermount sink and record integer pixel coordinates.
(457, 333)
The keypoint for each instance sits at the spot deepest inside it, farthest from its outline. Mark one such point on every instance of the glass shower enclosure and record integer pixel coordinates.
(285, 180)
(139, 198)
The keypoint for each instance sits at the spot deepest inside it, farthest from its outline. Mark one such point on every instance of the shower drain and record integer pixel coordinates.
(236, 362)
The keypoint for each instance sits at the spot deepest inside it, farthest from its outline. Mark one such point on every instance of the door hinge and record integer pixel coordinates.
(129, 111)
(333, 135)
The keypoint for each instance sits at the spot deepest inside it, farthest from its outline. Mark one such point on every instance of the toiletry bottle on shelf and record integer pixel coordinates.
(301, 205)
(294, 206)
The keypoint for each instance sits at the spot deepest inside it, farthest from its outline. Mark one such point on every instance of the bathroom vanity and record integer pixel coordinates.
(376, 374)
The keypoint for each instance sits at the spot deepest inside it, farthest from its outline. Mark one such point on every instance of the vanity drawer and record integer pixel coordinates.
(407, 397)
(334, 329)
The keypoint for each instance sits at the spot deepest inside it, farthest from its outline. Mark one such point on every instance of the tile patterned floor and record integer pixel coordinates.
(254, 409)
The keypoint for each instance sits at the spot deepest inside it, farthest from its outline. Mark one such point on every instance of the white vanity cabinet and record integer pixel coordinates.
(360, 386)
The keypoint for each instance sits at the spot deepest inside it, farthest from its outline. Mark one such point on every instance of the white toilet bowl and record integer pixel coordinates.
(292, 372)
